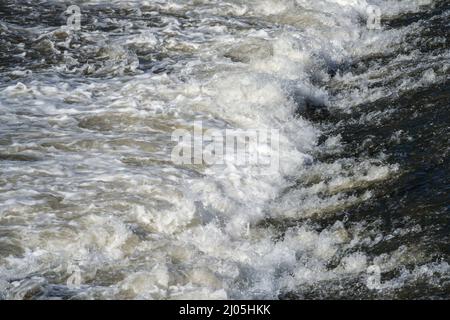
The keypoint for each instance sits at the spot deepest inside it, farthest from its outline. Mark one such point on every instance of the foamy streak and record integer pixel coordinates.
(105, 211)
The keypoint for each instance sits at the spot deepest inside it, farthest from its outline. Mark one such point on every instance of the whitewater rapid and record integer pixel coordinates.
(91, 205)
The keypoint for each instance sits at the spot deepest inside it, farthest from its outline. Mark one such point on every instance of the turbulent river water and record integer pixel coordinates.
(91, 207)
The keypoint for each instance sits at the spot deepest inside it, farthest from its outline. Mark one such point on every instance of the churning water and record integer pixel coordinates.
(91, 205)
